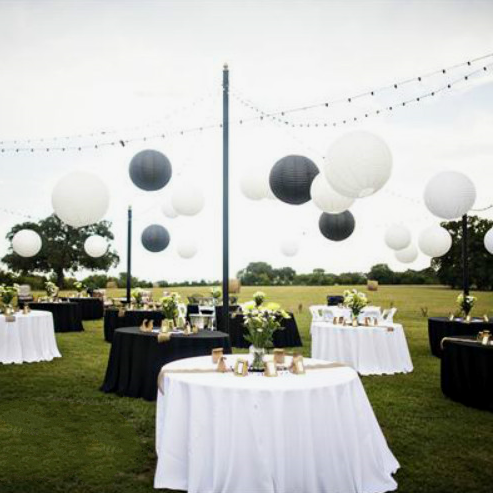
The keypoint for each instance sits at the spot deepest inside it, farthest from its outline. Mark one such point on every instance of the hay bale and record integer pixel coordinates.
(111, 285)
(234, 286)
(372, 285)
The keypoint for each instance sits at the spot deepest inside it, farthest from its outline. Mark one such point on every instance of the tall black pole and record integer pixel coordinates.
(465, 256)
(129, 253)
(226, 198)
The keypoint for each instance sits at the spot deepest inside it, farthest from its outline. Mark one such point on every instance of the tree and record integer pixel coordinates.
(256, 274)
(62, 250)
(381, 273)
(449, 267)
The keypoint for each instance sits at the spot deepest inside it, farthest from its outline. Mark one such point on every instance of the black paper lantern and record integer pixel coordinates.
(150, 170)
(291, 177)
(155, 238)
(336, 227)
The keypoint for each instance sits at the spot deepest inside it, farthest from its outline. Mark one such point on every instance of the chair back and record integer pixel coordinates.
(388, 315)
(182, 310)
(317, 313)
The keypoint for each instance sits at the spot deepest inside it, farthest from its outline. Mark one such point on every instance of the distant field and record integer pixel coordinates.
(58, 433)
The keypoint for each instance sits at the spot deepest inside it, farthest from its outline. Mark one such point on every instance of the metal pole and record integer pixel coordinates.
(226, 198)
(465, 256)
(129, 253)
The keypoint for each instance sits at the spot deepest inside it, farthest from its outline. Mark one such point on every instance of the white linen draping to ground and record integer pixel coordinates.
(369, 350)
(30, 338)
(312, 433)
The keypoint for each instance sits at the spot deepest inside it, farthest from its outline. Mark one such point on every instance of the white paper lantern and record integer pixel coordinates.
(80, 199)
(358, 164)
(95, 246)
(168, 209)
(290, 247)
(254, 185)
(488, 241)
(186, 248)
(26, 243)
(435, 241)
(450, 194)
(397, 237)
(326, 198)
(187, 198)
(407, 255)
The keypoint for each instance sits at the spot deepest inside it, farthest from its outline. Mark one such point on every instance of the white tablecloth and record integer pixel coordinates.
(312, 433)
(342, 311)
(29, 338)
(369, 350)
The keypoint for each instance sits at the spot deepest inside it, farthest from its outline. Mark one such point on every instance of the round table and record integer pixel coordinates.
(28, 338)
(288, 434)
(114, 319)
(137, 357)
(467, 372)
(67, 315)
(369, 350)
(440, 327)
(91, 308)
(289, 336)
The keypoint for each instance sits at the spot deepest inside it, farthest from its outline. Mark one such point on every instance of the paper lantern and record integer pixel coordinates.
(155, 238)
(168, 209)
(186, 248)
(187, 198)
(397, 237)
(150, 170)
(407, 255)
(80, 199)
(26, 243)
(336, 227)
(488, 241)
(435, 241)
(95, 246)
(254, 186)
(290, 247)
(450, 195)
(291, 177)
(358, 164)
(326, 198)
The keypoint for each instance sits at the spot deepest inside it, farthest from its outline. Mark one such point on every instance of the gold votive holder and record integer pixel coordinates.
(279, 356)
(217, 354)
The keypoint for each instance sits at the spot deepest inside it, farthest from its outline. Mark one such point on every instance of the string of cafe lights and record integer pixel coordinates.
(111, 131)
(25, 146)
(276, 116)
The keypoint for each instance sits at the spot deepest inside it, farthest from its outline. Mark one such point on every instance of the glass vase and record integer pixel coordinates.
(258, 358)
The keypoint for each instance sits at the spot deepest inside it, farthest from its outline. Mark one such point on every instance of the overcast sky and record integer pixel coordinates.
(77, 67)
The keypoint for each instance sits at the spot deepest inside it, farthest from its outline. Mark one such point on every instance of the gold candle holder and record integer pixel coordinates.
(217, 354)
(279, 356)
(451, 317)
(297, 366)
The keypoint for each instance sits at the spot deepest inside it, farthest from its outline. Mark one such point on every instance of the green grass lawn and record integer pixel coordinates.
(59, 433)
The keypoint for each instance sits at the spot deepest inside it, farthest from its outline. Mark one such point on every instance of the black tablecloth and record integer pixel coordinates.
(440, 327)
(136, 358)
(287, 337)
(67, 316)
(219, 315)
(132, 318)
(92, 308)
(467, 372)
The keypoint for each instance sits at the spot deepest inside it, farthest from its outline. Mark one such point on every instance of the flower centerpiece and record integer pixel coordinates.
(261, 321)
(51, 289)
(355, 300)
(79, 287)
(138, 296)
(169, 307)
(7, 295)
(258, 298)
(466, 303)
(216, 294)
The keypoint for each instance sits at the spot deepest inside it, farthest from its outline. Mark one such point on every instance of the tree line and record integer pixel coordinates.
(63, 253)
